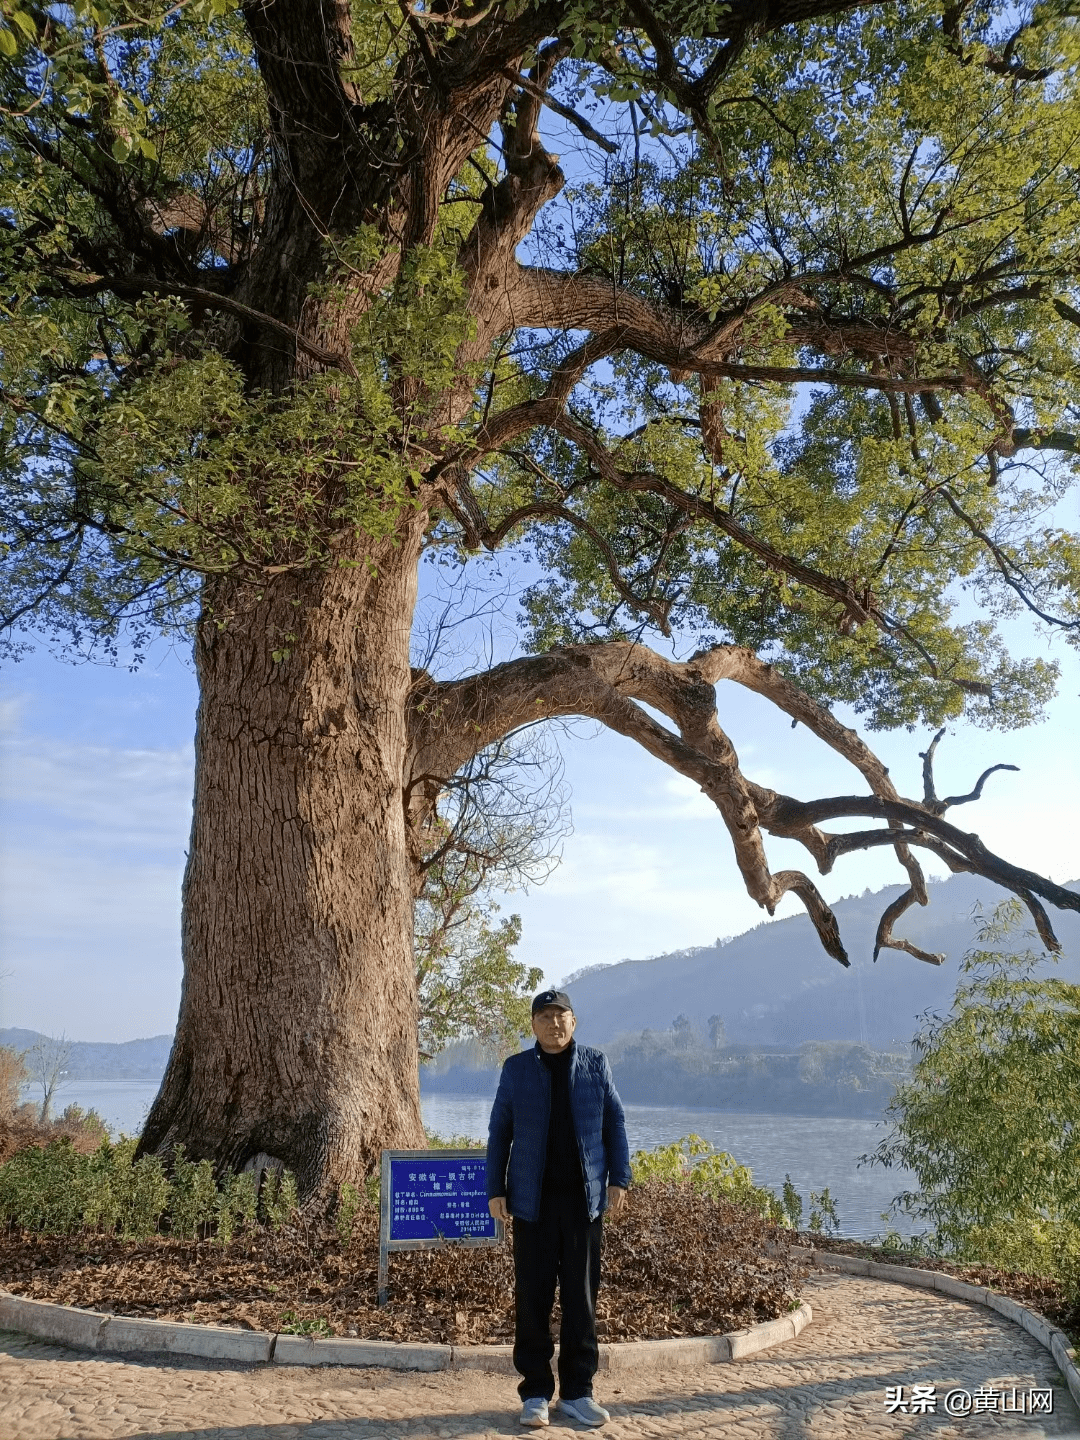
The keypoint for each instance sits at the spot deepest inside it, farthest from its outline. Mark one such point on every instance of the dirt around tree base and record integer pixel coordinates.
(675, 1263)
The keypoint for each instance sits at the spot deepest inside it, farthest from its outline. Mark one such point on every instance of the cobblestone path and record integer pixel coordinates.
(829, 1384)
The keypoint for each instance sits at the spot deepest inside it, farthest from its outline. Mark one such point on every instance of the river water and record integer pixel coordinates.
(814, 1152)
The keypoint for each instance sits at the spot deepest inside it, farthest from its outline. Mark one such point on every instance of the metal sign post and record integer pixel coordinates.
(432, 1197)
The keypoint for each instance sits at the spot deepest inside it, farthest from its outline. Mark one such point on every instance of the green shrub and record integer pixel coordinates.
(712, 1171)
(46, 1188)
(791, 1204)
(54, 1188)
(193, 1203)
(279, 1199)
(716, 1173)
(823, 1216)
(350, 1202)
(988, 1119)
(85, 1122)
(452, 1142)
(237, 1204)
(140, 1187)
(319, 1329)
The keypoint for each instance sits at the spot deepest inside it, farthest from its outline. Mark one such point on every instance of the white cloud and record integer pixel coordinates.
(90, 886)
(11, 708)
(687, 800)
(83, 795)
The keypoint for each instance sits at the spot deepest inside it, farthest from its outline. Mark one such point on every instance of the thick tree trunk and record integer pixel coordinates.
(297, 1038)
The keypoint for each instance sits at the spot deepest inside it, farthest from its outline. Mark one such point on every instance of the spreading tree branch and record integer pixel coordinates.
(613, 683)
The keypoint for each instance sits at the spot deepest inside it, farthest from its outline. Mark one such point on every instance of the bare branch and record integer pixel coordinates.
(132, 287)
(1007, 568)
(915, 894)
(578, 121)
(613, 683)
(930, 797)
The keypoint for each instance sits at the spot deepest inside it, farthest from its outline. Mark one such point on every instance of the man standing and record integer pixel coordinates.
(556, 1158)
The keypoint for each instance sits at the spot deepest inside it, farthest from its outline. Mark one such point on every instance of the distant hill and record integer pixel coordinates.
(774, 985)
(89, 1060)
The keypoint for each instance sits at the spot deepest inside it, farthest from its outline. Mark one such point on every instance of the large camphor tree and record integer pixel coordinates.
(777, 376)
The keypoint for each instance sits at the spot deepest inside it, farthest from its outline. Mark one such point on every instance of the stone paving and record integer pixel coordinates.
(829, 1384)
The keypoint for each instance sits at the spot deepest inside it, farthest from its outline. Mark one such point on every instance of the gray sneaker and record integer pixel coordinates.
(534, 1412)
(586, 1411)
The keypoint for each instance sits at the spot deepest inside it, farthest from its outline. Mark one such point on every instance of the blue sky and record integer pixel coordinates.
(96, 779)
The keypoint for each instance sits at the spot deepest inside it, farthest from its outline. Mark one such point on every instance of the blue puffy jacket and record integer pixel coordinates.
(518, 1130)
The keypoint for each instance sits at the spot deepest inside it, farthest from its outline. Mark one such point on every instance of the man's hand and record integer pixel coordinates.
(497, 1206)
(616, 1199)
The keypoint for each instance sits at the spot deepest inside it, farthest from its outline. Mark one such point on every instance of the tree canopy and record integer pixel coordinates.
(782, 376)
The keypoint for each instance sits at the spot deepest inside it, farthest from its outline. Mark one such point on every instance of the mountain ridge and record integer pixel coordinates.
(772, 985)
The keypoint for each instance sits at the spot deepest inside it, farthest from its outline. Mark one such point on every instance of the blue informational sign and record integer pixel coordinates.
(432, 1199)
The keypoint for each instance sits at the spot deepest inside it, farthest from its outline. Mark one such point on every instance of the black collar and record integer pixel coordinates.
(563, 1057)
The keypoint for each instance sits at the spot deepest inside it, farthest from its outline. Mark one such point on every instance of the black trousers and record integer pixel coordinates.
(562, 1245)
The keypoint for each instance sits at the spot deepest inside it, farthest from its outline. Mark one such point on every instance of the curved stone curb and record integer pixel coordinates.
(119, 1335)
(1037, 1326)
(686, 1352)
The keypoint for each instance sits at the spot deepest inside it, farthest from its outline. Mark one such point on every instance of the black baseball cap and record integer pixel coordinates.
(552, 997)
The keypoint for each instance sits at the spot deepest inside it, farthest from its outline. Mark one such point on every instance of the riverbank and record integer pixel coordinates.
(815, 1151)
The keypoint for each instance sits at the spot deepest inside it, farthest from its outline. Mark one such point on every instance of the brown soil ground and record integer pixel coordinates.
(675, 1263)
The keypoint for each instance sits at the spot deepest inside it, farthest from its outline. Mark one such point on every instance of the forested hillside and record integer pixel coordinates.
(773, 985)
(764, 1021)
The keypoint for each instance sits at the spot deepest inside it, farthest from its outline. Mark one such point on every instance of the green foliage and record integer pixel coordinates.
(924, 167)
(134, 456)
(125, 1195)
(877, 169)
(823, 1216)
(193, 1204)
(237, 1205)
(891, 1239)
(696, 1162)
(498, 829)
(278, 1197)
(319, 1329)
(469, 983)
(56, 1189)
(987, 1121)
(350, 1202)
(74, 1118)
(449, 1142)
(715, 1173)
(46, 1188)
(792, 1205)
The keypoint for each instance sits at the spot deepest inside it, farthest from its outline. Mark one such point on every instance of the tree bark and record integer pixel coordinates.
(297, 1037)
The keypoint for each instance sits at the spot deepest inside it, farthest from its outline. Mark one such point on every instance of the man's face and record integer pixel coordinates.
(554, 1028)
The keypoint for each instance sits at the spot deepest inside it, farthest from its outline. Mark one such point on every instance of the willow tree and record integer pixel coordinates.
(778, 374)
